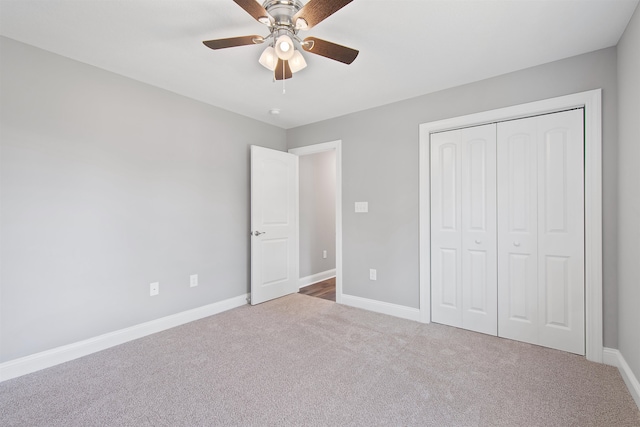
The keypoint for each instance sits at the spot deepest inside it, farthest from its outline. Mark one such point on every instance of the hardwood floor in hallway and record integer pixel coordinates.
(325, 289)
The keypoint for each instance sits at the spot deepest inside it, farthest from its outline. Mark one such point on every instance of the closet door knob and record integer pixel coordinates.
(516, 243)
(478, 242)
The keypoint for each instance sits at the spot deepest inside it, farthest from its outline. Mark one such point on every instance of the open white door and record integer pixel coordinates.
(274, 224)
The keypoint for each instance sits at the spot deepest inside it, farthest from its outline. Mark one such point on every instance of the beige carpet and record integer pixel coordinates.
(305, 361)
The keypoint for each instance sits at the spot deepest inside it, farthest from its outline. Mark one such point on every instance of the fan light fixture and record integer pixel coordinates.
(284, 51)
(297, 62)
(269, 59)
(284, 47)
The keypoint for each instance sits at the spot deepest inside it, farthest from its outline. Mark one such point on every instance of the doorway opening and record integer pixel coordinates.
(320, 219)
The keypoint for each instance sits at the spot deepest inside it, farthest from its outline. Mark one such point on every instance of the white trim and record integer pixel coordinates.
(613, 357)
(319, 148)
(591, 101)
(315, 278)
(425, 224)
(46, 359)
(396, 310)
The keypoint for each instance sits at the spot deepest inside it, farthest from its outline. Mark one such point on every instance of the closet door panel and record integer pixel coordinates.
(479, 269)
(561, 231)
(517, 230)
(507, 229)
(446, 244)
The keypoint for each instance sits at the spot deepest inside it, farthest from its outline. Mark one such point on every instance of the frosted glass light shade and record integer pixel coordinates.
(284, 47)
(268, 59)
(297, 62)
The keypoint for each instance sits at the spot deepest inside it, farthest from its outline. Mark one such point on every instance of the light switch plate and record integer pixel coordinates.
(362, 207)
(193, 280)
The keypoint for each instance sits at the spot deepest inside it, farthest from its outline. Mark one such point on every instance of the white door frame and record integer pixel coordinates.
(337, 147)
(592, 103)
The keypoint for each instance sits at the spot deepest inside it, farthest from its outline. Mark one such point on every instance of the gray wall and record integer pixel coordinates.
(317, 212)
(380, 165)
(629, 194)
(108, 184)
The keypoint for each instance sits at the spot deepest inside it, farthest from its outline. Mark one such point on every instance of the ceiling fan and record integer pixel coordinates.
(284, 19)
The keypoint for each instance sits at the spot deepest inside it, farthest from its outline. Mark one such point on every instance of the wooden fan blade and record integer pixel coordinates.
(317, 11)
(330, 50)
(253, 8)
(233, 42)
(282, 71)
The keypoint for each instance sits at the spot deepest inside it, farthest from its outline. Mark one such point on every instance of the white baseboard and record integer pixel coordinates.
(315, 278)
(396, 310)
(613, 357)
(46, 359)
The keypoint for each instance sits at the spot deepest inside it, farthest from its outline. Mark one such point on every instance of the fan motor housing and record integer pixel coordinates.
(282, 11)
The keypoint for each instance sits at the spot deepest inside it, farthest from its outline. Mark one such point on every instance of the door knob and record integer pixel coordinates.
(478, 242)
(257, 233)
(516, 243)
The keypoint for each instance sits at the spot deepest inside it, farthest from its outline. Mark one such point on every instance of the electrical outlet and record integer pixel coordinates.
(373, 274)
(324, 254)
(154, 288)
(362, 207)
(193, 280)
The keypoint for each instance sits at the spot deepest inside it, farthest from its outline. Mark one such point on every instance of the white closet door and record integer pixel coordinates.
(479, 258)
(446, 236)
(541, 230)
(561, 231)
(463, 229)
(517, 230)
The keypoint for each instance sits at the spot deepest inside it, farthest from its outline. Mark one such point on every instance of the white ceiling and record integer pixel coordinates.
(407, 47)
